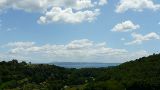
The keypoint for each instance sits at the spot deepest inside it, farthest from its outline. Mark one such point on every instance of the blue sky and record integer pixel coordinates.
(79, 30)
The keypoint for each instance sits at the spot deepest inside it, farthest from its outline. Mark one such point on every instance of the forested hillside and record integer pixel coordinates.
(140, 74)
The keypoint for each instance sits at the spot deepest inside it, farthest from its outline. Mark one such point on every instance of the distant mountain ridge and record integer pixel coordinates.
(83, 64)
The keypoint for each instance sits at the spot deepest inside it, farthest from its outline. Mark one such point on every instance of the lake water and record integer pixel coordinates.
(84, 65)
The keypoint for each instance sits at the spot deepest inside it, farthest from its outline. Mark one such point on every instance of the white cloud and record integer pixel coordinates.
(84, 10)
(26, 5)
(159, 23)
(79, 44)
(68, 16)
(139, 39)
(125, 26)
(75, 48)
(43, 5)
(102, 2)
(82, 50)
(8, 57)
(136, 5)
(136, 55)
(20, 44)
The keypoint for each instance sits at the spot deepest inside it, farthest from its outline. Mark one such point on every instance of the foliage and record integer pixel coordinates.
(140, 74)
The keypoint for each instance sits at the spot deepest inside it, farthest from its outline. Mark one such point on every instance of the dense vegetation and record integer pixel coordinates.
(140, 74)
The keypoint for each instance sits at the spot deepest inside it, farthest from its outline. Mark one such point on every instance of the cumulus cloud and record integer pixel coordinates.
(26, 5)
(136, 5)
(8, 57)
(139, 39)
(136, 55)
(20, 44)
(102, 2)
(84, 10)
(76, 51)
(75, 48)
(125, 26)
(56, 14)
(42, 5)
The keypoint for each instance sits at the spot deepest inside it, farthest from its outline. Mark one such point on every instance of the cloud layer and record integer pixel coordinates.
(125, 26)
(68, 16)
(83, 50)
(139, 39)
(69, 11)
(78, 48)
(136, 5)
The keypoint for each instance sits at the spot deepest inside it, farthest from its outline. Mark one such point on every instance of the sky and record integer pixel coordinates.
(110, 31)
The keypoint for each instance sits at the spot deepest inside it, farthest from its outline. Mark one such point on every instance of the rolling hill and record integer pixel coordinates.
(139, 74)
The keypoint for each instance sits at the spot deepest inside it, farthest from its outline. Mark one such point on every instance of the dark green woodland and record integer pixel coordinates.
(140, 74)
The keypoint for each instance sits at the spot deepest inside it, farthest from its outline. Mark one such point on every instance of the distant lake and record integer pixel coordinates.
(83, 65)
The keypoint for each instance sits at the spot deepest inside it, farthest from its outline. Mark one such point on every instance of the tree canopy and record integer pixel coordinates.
(139, 74)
